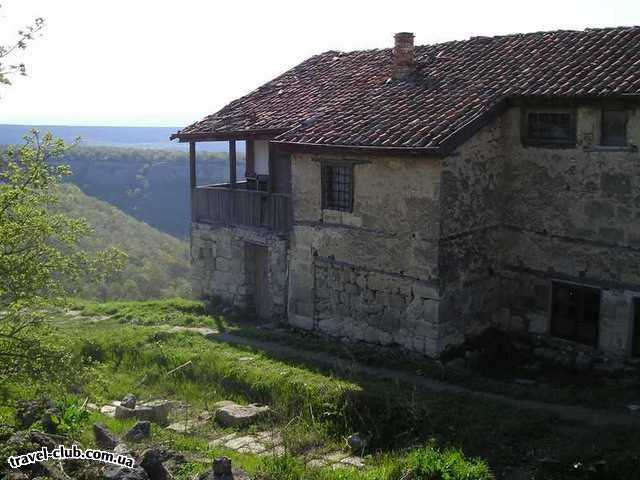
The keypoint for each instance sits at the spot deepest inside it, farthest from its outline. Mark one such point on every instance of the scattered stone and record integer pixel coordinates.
(357, 443)
(355, 462)
(108, 410)
(222, 469)
(113, 472)
(240, 415)
(122, 449)
(129, 401)
(222, 440)
(185, 426)
(123, 413)
(92, 406)
(222, 403)
(151, 462)
(140, 431)
(160, 410)
(104, 438)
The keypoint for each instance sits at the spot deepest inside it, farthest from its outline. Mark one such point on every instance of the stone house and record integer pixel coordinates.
(418, 194)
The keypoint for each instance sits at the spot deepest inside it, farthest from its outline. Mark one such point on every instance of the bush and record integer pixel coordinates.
(428, 463)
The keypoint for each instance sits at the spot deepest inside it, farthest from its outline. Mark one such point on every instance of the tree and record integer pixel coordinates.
(40, 262)
(24, 36)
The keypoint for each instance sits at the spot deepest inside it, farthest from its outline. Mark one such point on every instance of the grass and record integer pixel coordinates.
(414, 434)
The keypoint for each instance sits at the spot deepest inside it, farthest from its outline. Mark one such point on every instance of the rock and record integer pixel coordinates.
(104, 438)
(222, 468)
(151, 462)
(113, 472)
(108, 410)
(140, 431)
(129, 401)
(124, 413)
(633, 407)
(357, 443)
(222, 403)
(160, 410)
(29, 412)
(122, 449)
(240, 415)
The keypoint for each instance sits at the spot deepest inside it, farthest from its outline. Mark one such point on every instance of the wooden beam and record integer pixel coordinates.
(250, 159)
(232, 163)
(192, 179)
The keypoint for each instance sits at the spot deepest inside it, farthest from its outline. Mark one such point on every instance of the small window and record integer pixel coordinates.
(575, 313)
(337, 187)
(614, 128)
(550, 128)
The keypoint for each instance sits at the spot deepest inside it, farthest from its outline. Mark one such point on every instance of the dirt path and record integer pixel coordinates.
(584, 415)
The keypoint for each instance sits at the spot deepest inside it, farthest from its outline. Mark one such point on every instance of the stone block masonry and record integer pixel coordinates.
(221, 258)
(376, 307)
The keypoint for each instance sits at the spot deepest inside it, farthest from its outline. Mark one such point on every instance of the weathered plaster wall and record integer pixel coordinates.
(472, 204)
(574, 215)
(371, 274)
(221, 265)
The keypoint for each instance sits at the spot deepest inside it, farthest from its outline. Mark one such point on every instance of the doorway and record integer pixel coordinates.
(636, 327)
(575, 313)
(258, 279)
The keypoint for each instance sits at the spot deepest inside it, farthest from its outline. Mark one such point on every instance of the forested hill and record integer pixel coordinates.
(158, 263)
(150, 185)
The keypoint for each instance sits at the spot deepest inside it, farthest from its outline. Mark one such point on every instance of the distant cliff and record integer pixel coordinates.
(150, 185)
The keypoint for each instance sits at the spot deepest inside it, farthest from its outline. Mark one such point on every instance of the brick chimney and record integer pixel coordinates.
(403, 59)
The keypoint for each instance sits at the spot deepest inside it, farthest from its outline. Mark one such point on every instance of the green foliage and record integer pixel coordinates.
(285, 467)
(40, 262)
(428, 463)
(72, 417)
(158, 264)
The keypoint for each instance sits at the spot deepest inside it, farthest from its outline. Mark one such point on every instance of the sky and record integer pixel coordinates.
(169, 63)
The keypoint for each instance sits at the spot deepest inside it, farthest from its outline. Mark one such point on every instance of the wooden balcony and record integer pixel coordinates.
(221, 204)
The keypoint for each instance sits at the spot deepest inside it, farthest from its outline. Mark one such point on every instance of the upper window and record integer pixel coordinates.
(550, 127)
(613, 131)
(337, 187)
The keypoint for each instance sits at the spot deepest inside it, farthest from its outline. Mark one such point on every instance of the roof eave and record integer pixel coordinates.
(217, 136)
(294, 147)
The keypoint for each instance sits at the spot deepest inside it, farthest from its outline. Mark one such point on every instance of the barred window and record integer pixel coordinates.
(550, 128)
(337, 187)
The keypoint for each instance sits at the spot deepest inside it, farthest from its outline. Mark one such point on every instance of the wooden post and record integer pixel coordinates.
(232, 163)
(192, 179)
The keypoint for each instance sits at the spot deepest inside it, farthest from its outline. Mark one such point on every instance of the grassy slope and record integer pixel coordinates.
(158, 263)
(325, 406)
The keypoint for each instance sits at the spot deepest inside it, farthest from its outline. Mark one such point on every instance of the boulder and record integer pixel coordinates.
(151, 462)
(128, 401)
(124, 413)
(104, 438)
(140, 431)
(357, 443)
(113, 472)
(240, 415)
(159, 410)
(221, 470)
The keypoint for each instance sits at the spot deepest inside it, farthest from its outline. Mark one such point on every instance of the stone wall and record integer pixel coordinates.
(471, 202)
(222, 266)
(370, 274)
(572, 215)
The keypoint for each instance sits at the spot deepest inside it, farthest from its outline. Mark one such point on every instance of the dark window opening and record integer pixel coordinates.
(575, 313)
(636, 327)
(550, 128)
(337, 187)
(613, 131)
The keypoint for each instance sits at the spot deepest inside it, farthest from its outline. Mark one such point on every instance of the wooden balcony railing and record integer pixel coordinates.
(242, 207)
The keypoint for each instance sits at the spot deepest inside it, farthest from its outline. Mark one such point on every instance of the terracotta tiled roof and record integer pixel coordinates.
(348, 99)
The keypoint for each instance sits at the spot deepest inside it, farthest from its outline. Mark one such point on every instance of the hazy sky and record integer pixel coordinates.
(168, 63)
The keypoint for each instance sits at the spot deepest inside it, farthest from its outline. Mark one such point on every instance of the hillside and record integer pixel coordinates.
(158, 263)
(150, 185)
